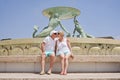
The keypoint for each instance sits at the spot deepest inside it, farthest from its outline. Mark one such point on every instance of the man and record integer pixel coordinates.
(48, 50)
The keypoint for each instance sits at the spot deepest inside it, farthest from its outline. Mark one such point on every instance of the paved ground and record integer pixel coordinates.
(69, 76)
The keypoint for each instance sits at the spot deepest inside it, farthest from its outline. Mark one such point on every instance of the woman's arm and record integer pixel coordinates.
(69, 46)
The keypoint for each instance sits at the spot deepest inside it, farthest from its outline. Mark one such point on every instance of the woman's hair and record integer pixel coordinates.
(61, 33)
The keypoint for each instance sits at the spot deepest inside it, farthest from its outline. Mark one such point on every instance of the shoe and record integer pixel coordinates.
(49, 73)
(42, 73)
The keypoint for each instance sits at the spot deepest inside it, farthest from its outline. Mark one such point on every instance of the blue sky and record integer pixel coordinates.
(98, 17)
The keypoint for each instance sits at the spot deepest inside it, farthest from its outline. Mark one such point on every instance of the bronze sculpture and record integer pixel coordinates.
(55, 15)
(79, 29)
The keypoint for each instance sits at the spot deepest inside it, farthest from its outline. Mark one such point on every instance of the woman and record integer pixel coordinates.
(63, 48)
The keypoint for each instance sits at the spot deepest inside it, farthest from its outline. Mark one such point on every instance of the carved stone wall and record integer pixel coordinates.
(80, 46)
(95, 46)
(20, 47)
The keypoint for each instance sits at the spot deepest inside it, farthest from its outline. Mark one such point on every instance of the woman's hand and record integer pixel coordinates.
(72, 56)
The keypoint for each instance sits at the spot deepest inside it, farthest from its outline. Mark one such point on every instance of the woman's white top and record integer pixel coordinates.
(62, 46)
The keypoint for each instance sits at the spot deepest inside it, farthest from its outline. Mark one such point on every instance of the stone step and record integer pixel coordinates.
(57, 76)
(80, 63)
(77, 58)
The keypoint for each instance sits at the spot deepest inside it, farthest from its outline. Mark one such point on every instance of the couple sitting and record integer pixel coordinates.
(55, 44)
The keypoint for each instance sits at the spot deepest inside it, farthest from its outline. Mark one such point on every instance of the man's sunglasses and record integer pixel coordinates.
(56, 33)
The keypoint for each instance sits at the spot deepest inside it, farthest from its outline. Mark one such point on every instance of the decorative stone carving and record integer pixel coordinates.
(34, 51)
(116, 51)
(95, 51)
(3, 52)
(77, 50)
(17, 51)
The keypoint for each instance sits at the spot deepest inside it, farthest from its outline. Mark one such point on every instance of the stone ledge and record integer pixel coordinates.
(72, 40)
(77, 58)
(70, 76)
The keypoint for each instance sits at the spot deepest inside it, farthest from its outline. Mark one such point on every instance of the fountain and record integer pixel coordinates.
(91, 54)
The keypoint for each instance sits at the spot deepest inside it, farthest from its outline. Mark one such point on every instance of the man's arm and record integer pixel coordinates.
(43, 47)
(55, 47)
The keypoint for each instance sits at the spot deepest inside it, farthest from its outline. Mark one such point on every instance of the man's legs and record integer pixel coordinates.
(42, 64)
(52, 60)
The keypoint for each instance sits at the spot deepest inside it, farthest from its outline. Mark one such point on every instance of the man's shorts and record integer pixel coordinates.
(48, 53)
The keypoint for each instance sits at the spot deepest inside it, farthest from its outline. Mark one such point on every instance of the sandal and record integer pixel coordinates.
(42, 73)
(49, 73)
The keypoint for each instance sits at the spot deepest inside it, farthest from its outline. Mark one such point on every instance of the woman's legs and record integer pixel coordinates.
(62, 64)
(66, 63)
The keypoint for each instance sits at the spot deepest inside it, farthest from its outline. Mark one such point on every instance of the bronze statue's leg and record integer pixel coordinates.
(74, 31)
(83, 35)
(45, 28)
(89, 36)
(45, 32)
